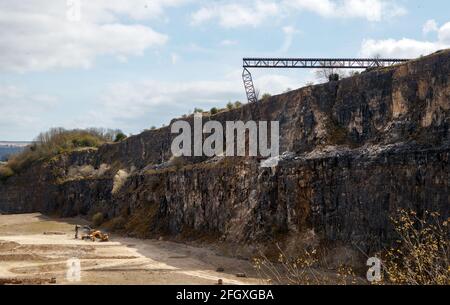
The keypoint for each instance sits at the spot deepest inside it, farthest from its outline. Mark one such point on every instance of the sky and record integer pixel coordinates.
(135, 64)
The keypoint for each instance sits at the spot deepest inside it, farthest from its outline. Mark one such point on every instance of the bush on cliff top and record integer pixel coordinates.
(119, 137)
(5, 172)
(53, 142)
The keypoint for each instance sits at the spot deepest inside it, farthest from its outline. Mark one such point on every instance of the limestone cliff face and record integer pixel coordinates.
(354, 152)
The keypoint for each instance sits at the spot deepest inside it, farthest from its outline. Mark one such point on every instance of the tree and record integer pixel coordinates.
(257, 93)
(329, 74)
(230, 105)
(120, 136)
(237, 104)
(265, 96)
(213, 110)
(198, 110)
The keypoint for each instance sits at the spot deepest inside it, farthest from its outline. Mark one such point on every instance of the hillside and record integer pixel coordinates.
(354, 152)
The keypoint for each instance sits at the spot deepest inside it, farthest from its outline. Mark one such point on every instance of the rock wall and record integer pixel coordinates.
(354, 152)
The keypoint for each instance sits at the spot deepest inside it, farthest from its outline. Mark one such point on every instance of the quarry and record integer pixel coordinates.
(352, 153)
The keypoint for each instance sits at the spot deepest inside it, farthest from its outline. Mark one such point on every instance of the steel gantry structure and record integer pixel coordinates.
(308, 63)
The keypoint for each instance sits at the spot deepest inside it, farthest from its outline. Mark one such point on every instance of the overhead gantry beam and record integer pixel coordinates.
(309, 63)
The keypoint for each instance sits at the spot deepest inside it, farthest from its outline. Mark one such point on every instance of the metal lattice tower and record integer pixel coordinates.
(308, 63)
(248, 85)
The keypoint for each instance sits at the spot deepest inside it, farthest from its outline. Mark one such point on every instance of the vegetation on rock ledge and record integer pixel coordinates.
(54, 142)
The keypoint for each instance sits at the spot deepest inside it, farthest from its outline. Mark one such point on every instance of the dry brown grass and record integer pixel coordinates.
(421, 254)
(140, 222)
(306, 268)
(419, 257)
(119, 180)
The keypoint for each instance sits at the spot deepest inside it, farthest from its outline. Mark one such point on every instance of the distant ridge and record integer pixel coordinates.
(15, 143)
(8, 148)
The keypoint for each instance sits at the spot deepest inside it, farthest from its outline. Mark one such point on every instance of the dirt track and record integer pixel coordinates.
(27, 255)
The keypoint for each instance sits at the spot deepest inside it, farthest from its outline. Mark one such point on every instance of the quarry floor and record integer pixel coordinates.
(35, 249)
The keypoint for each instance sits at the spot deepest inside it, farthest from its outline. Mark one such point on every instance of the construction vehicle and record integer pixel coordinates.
(99, 235)
(90, 234)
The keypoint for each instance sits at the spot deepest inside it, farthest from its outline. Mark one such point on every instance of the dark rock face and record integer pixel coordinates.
(359, 149)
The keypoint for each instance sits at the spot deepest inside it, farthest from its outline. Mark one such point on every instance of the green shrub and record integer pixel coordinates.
(334, 77)
(230, 105)
(97, 219)
(119, 137)
(213, 110)
(237, 104)
(5, 172)
(85, 140)
(265, 96)
(57, 141)
(198, 110)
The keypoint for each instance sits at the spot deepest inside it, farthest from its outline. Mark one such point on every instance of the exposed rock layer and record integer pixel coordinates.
(359, 149)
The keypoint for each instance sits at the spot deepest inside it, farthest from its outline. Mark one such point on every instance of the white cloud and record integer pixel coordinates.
(408, 48)
(174, 58)
(133, 106)
(430, 26)
(111, 10)
(371, 10)
(444, 34)
(236, 14)
(22, 111)
(232, 14)
(228, 42)
(277, 83)
(289, 32)
(36, 35)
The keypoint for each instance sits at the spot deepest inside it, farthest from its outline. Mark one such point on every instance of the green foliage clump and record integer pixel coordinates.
(119, 137)
(230, 105)
(237, 104)
(213, 110)
(56, 141)
(86, 140)
(265, 96)
(5, 172)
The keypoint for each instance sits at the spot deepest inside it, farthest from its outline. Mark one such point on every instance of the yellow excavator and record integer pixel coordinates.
(90, 234)
(99, 235)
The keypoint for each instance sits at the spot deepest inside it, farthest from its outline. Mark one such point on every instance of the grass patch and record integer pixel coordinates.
(54, 142)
